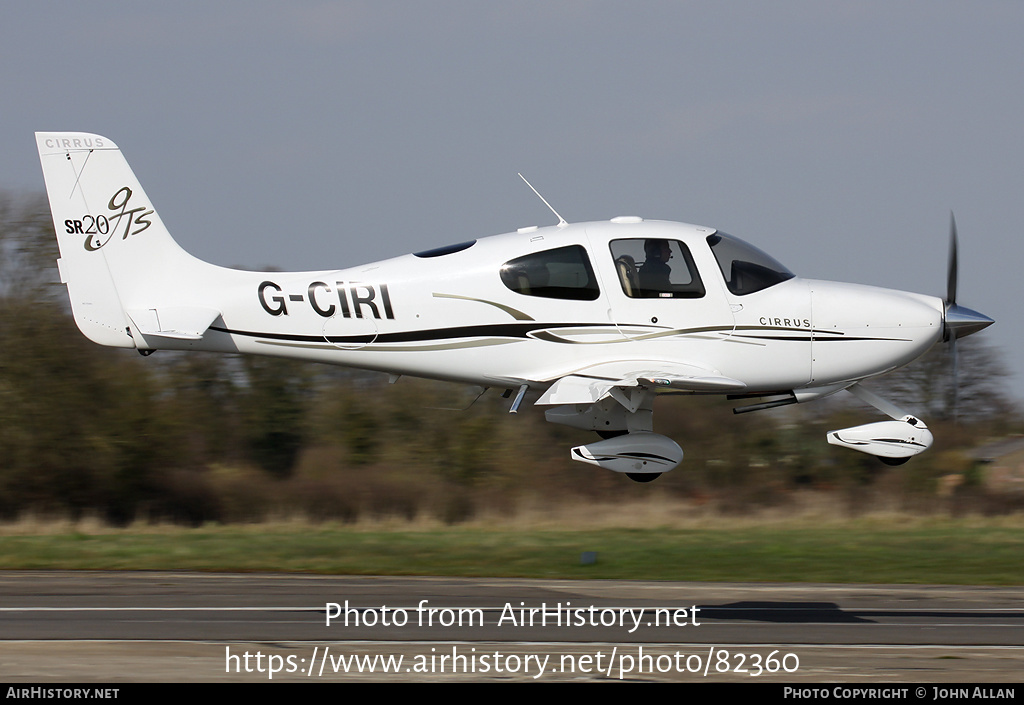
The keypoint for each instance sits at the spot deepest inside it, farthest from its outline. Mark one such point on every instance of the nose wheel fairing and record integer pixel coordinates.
(887, 440)
(894, 441)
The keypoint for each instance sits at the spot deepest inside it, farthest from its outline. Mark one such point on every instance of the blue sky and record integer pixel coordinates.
(308, 135)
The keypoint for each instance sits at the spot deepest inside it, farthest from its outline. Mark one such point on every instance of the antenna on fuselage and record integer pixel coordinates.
(561, 220)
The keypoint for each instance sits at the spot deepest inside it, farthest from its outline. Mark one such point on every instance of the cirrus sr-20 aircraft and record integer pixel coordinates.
(596, 318)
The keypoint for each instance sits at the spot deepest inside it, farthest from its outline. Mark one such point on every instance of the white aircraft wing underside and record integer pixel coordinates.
(595, 383)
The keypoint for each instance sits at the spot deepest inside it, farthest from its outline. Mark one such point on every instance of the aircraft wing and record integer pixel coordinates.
(593, 384)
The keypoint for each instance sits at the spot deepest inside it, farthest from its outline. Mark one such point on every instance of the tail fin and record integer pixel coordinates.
(114, 248)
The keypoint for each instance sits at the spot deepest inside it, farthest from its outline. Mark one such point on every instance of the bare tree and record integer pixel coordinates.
(28, 249)
(927, 385)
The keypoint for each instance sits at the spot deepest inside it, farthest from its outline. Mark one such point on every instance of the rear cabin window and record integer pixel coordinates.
(562, 273)
(446, 250)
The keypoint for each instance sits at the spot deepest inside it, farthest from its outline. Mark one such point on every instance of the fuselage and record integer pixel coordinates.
(542, 303)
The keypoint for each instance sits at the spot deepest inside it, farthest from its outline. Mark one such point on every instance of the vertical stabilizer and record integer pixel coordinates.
(113, 245)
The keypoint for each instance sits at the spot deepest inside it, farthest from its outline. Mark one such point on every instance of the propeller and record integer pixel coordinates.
(958, 321)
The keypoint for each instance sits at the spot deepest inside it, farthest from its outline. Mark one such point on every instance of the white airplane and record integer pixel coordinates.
(597, 317)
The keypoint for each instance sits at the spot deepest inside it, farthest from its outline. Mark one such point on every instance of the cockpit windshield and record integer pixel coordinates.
(746, 269)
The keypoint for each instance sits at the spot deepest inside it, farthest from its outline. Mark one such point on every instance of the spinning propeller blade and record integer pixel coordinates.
(958, 320)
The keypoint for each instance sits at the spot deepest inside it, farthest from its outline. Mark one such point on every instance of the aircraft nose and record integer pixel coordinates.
(862, 331)
(864, 310)
(960, 321)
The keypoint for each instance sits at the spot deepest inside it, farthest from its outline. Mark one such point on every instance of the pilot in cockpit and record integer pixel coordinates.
(654, 273)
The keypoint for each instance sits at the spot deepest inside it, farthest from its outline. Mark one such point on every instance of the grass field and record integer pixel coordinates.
(629, 543)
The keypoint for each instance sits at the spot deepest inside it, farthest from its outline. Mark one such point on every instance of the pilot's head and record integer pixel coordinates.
(657, 250)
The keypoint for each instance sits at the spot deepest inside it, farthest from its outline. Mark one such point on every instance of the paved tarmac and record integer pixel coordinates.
(58, 626)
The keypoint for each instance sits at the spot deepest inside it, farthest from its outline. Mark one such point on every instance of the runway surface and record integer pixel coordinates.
(174, 627)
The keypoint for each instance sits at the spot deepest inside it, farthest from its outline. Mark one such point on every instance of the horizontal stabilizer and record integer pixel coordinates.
(176, 322)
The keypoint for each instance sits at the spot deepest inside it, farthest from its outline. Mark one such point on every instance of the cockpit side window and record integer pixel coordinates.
(562, 273)
(746, 269)
(653, 268)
